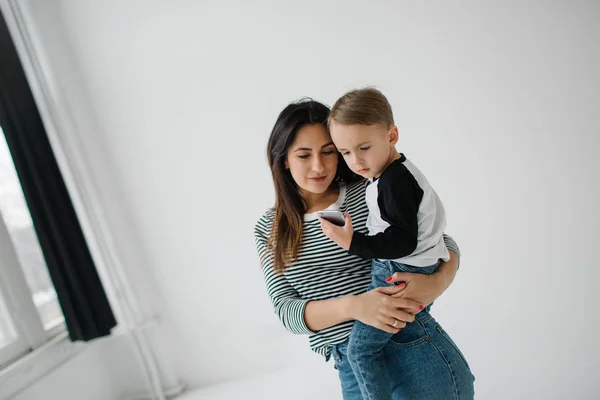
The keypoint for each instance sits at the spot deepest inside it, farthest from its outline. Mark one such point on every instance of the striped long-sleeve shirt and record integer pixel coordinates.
(322, 271)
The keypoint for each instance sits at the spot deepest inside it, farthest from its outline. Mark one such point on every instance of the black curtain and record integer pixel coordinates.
(82, 298)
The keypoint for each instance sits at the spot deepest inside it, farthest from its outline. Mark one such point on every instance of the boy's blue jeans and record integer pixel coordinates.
(366, 344)
(422, 361)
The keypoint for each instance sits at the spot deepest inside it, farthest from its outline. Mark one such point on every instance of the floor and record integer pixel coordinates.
(315, 383)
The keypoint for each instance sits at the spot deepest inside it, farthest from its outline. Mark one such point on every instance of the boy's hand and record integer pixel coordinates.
(342, 235)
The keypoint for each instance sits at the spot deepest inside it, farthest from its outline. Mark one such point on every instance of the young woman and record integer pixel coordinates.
(319, 289)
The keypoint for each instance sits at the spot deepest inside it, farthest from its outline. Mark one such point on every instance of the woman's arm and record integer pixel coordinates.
(287, 303)
(376, 307)
(426, 288)
(304, 316)
(321, 314)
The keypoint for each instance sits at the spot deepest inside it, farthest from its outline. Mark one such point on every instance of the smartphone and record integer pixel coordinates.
(335, 217)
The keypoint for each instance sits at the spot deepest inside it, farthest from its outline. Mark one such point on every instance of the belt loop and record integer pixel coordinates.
(335, 353)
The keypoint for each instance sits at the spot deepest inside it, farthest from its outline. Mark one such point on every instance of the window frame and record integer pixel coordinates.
(62, 128)
(21, 367)
(18, 299)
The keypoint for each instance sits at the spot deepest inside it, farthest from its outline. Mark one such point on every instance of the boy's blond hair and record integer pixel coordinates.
(366, 106)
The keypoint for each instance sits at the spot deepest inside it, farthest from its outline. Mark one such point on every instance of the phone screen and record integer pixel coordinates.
(335, 217)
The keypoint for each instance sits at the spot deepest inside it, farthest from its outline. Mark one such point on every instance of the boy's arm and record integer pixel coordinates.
(399, 197)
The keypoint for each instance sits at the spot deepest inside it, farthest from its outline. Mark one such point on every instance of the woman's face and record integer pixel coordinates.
(312, 159)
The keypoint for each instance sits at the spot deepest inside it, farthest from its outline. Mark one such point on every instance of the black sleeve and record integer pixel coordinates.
(399, 197)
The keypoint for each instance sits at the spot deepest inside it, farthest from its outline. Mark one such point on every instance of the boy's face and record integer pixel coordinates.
(367, 149)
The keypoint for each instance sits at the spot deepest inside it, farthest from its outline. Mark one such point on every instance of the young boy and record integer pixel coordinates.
(406, 221)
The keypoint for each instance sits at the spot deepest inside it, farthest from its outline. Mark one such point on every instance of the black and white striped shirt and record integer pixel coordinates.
(323, 269)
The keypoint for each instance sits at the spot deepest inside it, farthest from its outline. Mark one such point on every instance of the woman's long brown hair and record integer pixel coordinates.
(285, 238)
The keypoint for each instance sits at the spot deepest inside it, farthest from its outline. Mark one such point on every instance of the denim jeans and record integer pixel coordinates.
(422, 361)
(366, 345)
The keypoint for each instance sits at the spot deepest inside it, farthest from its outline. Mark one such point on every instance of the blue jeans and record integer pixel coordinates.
(423, 364)
(366, 344)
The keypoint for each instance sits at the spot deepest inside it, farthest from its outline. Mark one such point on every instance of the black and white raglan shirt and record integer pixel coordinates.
(406, 219)
(322, 271)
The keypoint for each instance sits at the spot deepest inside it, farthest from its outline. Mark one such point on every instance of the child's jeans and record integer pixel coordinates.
(366, 344)
(423, 363)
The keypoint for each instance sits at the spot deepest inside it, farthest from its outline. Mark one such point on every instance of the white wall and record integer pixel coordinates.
(498, 103)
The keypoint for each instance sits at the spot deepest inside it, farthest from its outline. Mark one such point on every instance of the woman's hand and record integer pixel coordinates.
(380, 309)
(422, 288)
(426, 288)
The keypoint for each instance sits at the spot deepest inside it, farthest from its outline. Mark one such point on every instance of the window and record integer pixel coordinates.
(29, 310)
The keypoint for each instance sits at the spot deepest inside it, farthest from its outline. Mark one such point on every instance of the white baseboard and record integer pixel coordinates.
(170, 393)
